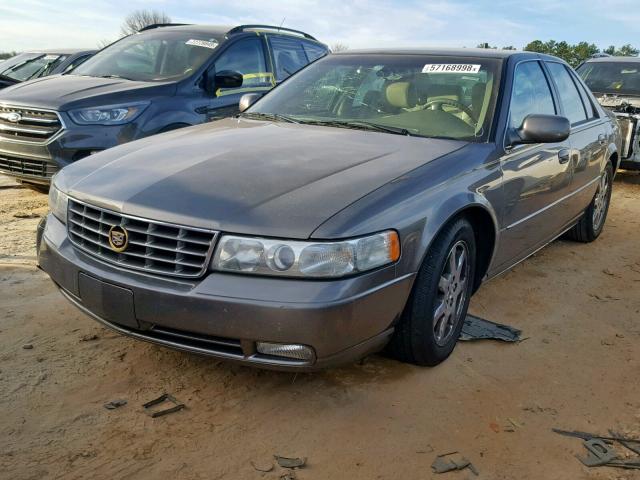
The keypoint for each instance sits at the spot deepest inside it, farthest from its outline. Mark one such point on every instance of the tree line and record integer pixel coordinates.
(574, 55)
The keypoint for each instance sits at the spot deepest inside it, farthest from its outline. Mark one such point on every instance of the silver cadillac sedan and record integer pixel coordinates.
(355, 207)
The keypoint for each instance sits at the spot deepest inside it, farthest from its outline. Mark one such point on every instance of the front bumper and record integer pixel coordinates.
(37, 162)
(224, 315)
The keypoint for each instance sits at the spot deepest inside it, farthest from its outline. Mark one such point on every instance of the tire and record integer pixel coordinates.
(592, 222)
(420, 337)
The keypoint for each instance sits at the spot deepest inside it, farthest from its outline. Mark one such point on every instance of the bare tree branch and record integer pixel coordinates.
(139, 19)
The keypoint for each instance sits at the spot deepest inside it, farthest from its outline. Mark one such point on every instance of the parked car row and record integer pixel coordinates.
(161, 79)
(36, 64)
(356, 206)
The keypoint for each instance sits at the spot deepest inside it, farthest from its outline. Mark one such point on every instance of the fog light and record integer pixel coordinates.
(297, 352)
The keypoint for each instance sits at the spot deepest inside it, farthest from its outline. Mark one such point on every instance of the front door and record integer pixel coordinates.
(248, 57)
(536, 178)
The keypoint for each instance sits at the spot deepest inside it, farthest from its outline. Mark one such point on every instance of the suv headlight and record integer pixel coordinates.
(289, 258)
(108, 115)
(58, 203)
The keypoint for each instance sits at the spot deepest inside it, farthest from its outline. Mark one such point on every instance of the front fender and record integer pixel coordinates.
(418, 205)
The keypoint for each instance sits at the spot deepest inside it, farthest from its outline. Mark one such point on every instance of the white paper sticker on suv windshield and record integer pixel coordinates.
(51, 57)
(450, 68)
(203, 43)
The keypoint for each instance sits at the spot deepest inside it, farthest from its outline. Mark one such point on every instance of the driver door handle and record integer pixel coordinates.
(564, 155)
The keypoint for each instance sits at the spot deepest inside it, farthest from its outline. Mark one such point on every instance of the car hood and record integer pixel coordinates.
(65, 92)
(247, 176)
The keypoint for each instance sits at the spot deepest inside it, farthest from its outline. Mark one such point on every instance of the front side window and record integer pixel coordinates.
(247, 57)
(151, 56)
(531, 94)
(422, 95)
(619, 78)
(569, 96)
(288, 55)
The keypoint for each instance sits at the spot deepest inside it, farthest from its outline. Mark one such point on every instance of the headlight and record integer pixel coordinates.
(58, 202)
(288, 258)
(108, 115)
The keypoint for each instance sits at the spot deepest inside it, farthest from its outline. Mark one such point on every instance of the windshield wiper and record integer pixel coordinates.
(113, 76)
(360, 126)
(269, 116)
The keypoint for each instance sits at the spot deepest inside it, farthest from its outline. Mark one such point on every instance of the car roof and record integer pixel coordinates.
(222, 30)
(458, 52)
(613, 59)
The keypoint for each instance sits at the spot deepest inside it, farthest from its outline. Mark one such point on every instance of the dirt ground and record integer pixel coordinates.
(579, 369)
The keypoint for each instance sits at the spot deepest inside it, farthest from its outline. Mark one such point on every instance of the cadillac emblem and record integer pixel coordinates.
(118, 238)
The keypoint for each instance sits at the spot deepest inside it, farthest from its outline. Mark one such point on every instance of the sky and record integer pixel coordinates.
(37, 24)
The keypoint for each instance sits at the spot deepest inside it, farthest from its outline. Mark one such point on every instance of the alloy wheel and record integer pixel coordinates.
(452, 293)
(601, 201)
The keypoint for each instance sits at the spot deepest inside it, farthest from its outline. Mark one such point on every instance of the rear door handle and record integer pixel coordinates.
(602, 138)
(564, 155)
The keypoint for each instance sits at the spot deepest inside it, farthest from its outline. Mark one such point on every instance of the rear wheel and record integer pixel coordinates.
(433, 317)
(592, 222)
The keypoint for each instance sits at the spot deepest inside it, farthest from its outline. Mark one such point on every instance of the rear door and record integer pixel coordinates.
(288, 55)
(588, 136)
(536, 178)
(247, 56)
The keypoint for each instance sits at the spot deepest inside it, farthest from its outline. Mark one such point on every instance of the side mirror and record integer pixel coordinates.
(538, 128)
(223, 79)
(247, 100)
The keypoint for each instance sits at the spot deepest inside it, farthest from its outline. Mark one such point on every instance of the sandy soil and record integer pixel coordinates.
(579, 306)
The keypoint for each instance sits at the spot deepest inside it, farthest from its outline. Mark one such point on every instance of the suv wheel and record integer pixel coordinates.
(433, 317)
(592, 222)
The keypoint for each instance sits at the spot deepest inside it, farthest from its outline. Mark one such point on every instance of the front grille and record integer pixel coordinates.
(153, 247)
(27, 166)
(32, 125)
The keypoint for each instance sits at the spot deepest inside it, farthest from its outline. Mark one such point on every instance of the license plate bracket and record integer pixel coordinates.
(109, 302)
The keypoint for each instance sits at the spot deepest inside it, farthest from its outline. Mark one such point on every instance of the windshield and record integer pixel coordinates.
(151, 56)
(619, 78)
(32, 66)
(431, 96)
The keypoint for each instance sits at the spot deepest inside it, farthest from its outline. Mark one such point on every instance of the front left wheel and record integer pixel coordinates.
(433, 317)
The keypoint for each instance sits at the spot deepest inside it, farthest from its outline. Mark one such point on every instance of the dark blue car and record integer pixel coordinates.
(162, 78)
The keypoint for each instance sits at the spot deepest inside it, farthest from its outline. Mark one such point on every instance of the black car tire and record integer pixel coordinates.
(586, 230)
(415, 338)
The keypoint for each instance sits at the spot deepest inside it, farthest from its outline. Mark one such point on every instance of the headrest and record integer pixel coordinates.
(398, 94)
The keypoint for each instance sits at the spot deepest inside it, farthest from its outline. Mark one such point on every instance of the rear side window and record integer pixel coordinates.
(569, 96)
(531, 94)
(288, 54)
(313, 51)
(247, 57)
(586, 100)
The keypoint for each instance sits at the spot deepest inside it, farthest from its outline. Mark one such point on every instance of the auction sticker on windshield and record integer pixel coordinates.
(203, 43)
(450, 68)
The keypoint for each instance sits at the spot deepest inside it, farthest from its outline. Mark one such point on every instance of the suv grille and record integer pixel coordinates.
(27, 166)
(153, 247)
(31, 125)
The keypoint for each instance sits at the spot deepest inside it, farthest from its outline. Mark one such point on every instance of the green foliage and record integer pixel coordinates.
(574, 55)
(5, 55)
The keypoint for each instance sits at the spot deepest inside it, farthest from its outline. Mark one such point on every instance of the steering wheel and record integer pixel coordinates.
(438, 103)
